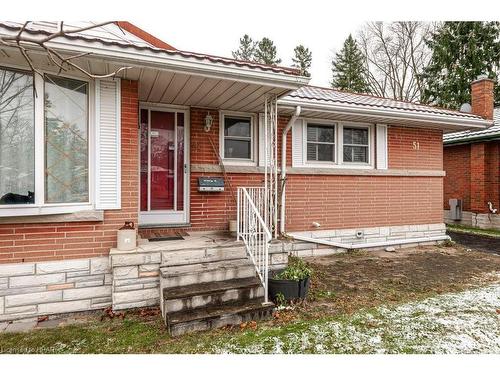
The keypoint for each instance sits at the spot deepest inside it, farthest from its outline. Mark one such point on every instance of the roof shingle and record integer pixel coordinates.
(344, 97)
(113, 35)
(469, 135)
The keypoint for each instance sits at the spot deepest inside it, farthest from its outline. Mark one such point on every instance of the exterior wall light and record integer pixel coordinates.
(208, 122)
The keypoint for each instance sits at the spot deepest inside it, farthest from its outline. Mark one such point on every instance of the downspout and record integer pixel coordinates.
(283, 166)
(326, 242)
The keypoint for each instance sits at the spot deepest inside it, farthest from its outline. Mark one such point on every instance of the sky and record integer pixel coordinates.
(216, 30)
(215, 26)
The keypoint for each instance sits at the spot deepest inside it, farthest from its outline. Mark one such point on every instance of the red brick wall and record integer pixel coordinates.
(53, 241)
(402, 155)
(493, 173)
(202, 151)
(334, 201)
(482, 100)
(457, 179)
(362, 201)
(212, 211)
(478, 177)
(350, 201)
(473, 175)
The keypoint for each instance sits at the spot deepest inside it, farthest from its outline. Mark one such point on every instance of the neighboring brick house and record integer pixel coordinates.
(472, 164)
(87, 155)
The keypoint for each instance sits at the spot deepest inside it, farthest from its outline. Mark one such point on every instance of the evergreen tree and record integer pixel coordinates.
(302, 60)
(265, 53)
(461, 51)
(348, 68)
(246, 49)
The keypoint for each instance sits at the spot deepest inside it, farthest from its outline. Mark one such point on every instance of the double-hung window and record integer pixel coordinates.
(320, 143)
(62, 140)
(356, 144)
(333, 145)
(237, 138)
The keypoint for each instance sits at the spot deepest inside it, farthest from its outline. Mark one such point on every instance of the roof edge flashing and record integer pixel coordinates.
(395, 114)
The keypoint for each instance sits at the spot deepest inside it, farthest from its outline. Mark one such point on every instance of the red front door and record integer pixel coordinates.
(163, 172)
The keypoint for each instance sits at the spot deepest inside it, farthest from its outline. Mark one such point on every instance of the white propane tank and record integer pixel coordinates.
(127, 237)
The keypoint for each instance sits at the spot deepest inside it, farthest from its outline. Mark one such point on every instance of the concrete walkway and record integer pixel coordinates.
(54, 321)
(22, 325)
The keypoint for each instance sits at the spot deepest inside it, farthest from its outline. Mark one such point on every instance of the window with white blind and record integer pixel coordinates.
(356, 145)
(320, 143)
(323, 144)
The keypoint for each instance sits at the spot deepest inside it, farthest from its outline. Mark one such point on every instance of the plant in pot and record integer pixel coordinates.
(292, 282)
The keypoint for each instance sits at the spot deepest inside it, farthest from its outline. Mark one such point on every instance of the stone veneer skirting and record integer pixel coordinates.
(136, 274)
(132, 279)
(45, 288)
(472, 219)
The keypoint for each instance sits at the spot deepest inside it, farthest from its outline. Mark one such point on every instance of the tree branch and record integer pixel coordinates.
(396, 55)
(20, 40)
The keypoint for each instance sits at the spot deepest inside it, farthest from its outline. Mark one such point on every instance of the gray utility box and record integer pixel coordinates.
(455, 209)
(210, 184)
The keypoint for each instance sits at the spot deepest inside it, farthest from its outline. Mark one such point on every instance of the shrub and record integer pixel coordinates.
(296, 270)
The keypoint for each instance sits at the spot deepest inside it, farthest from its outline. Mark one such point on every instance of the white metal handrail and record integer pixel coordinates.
(253, 231)
(270, 213)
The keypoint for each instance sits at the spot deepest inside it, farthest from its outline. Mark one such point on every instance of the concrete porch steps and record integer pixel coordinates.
(210, 294)
(203, 255)
(188, 274)
(209, 288)
(213, 317)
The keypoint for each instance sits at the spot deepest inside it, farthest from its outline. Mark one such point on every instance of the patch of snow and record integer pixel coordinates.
(465, 322)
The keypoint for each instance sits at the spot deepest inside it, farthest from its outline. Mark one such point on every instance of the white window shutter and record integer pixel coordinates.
(298, 144)
(382, 147)
(108, 144)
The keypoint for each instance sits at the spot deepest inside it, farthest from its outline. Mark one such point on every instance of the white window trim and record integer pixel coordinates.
(253, 140)
(39, 207)
(318, 163)
(339, 146)
(371, 143)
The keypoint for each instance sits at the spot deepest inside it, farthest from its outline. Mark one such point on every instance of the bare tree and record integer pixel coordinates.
(23, 41)
(396, 55)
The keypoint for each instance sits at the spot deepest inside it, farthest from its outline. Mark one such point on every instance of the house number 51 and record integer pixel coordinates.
(416, 145)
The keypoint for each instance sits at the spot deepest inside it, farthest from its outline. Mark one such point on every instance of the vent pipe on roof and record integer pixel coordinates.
(466, 108)
(283, 165)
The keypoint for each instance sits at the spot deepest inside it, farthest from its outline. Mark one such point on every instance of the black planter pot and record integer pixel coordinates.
(290, 289)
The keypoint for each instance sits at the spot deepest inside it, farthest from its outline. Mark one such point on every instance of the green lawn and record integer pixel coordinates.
(472, 230)
(422, 300)
(464, 322)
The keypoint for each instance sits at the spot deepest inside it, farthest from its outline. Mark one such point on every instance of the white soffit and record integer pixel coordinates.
(166, 87)
(187, 90)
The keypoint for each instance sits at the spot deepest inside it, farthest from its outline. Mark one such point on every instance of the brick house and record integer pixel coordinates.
(472, 164)
(304, 170)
